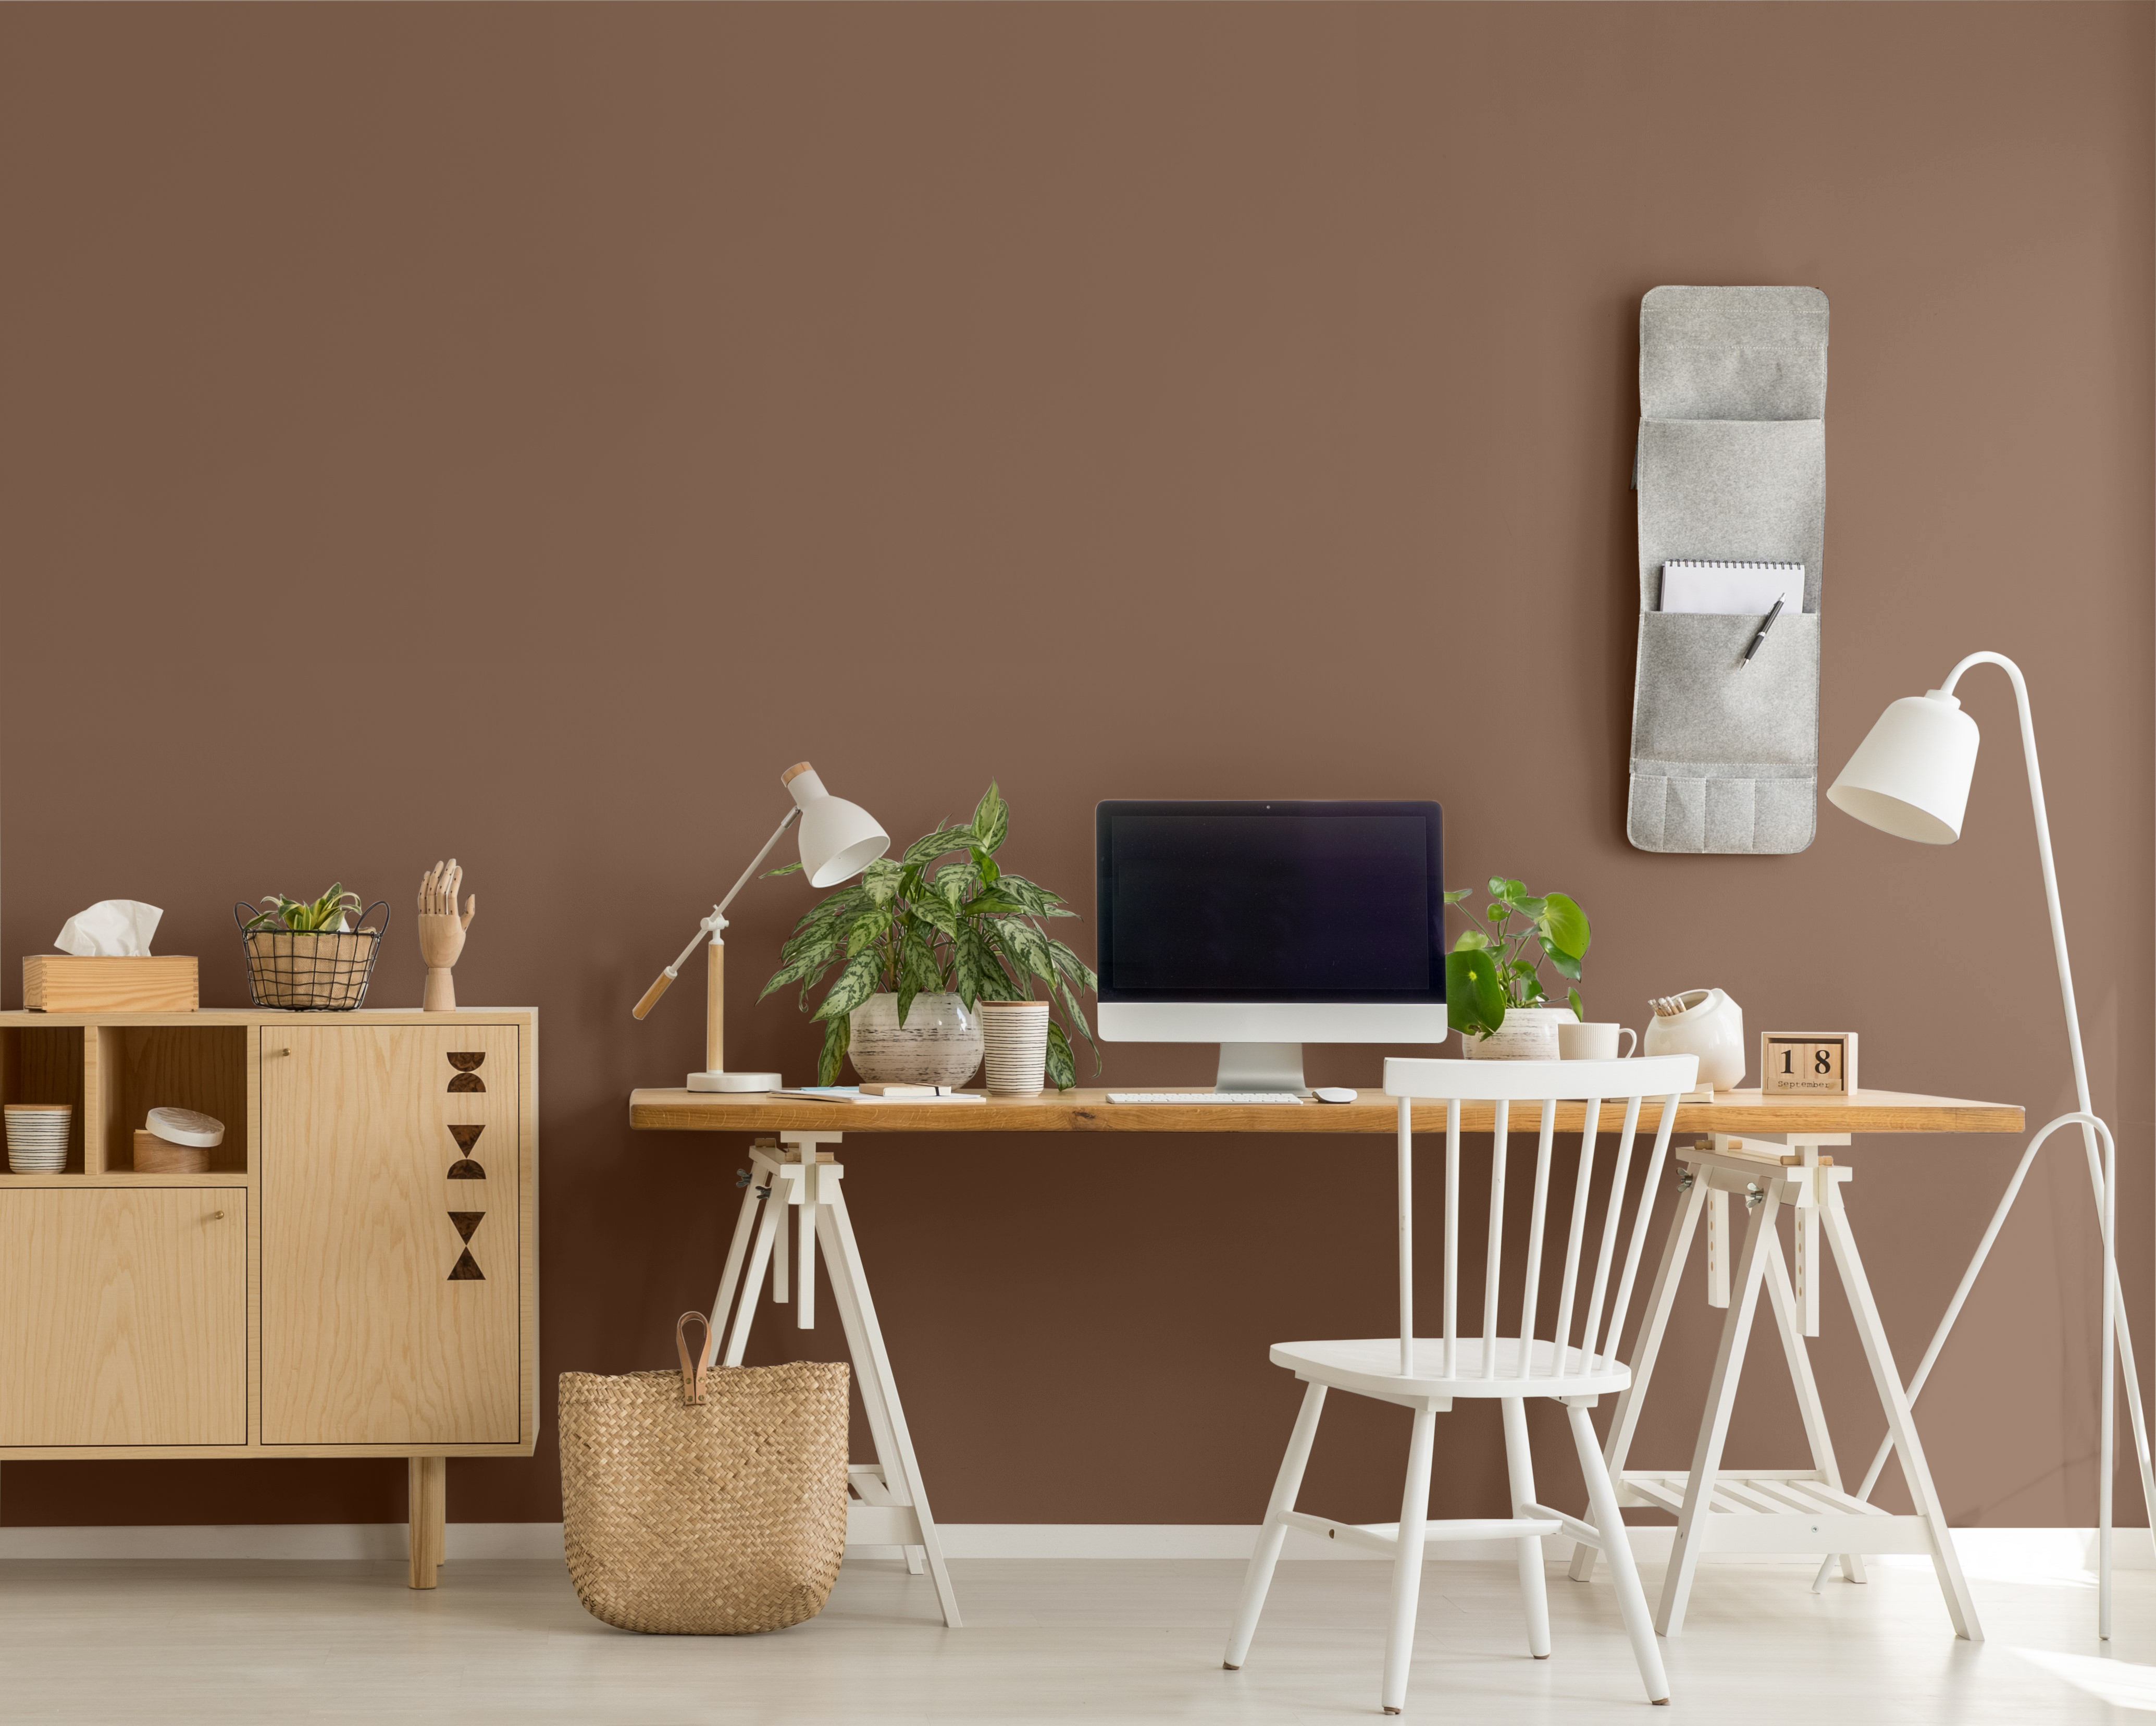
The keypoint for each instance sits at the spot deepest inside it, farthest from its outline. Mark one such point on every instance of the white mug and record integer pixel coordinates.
(1594, 1042)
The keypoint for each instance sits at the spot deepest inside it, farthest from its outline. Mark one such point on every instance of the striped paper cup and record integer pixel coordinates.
(1015, 1057)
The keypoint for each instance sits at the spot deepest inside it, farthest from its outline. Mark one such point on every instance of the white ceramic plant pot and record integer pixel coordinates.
(939, 1043)
(1017, 1042)
(1711, 1026)
(1528, 1034)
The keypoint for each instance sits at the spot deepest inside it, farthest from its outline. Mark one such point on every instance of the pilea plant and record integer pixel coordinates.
(1495, 966)
(944, 916)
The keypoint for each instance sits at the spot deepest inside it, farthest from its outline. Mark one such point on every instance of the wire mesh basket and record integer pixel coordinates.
(326, 971)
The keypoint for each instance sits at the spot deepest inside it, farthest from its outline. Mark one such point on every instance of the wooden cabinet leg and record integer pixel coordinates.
(429, 1477)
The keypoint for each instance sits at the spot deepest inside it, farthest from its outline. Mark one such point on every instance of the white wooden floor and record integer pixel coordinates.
(1066, 1640)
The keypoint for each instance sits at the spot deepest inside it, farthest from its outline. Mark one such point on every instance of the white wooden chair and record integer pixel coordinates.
(1425, 1375)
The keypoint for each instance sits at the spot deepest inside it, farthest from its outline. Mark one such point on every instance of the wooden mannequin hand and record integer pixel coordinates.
(438, 892)
(441, 929)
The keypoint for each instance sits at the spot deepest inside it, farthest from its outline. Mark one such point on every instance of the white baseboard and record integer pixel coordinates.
(1985, 1552)
(1994, 1552)
(380, 1541)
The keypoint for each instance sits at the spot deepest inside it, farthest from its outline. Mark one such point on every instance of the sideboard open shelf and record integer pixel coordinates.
(115, 1071)
(355, 1274)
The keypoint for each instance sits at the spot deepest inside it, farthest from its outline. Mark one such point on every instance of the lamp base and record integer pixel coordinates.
(735, 1081)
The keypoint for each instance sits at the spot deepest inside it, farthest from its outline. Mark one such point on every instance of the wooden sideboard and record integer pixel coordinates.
(357, 1275)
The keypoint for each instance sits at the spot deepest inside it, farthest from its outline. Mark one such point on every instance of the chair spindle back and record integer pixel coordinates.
(1594, 1084)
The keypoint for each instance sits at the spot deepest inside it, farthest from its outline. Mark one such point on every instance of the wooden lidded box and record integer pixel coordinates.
(62, 983)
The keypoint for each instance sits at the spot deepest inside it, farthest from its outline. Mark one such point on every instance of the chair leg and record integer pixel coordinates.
(1407, 1564)
(1259, 1577)
(1623, 1569)
(1534, 1587)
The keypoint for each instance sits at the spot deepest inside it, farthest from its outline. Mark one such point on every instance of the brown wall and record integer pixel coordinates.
(520, 433)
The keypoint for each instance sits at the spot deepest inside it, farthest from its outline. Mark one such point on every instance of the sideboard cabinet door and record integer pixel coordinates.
(389, 1235)
(123, 1316)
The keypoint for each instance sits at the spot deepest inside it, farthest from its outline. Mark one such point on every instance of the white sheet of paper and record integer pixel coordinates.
(1747, 587)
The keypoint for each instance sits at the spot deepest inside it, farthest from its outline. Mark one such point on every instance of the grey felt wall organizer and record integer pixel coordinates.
(1732, 464)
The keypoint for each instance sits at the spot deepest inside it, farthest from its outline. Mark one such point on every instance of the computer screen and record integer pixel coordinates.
(1270, 901)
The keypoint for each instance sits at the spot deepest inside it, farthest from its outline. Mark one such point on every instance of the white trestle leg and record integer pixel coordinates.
(1691, 1534)
(1789, 1315)
(795, 1203)
(736, 1256)
(1916, 1472)
(1692, 1201)
(1723, 1509)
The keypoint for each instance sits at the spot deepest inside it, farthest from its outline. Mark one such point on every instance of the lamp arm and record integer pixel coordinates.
(711, 925)
(2050, 874)
(718, 911)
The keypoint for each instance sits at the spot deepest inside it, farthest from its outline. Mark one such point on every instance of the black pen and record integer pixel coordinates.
(1761, 636)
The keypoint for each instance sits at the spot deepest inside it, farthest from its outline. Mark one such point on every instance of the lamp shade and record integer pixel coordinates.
(838, 838)
(1910, 776)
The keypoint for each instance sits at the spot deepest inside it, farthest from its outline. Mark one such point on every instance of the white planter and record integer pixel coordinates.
(1017, 1042)
(939, 1043)
(1711, 1026)
(1528, 1034)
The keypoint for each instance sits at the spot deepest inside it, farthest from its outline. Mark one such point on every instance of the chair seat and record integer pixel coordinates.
(1371, 1366)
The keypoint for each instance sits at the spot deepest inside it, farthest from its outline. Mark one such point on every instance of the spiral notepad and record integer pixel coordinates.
(1716, 586)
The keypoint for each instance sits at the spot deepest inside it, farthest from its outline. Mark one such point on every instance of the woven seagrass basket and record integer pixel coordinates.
(706, 1501)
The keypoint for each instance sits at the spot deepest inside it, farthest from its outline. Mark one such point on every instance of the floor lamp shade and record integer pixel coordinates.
(1910, 776)
(838, 838)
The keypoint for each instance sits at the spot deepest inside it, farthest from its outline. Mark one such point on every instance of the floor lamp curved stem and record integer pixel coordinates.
(2117, 1337)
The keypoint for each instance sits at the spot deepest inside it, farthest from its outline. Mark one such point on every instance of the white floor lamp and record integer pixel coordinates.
(1910, 777)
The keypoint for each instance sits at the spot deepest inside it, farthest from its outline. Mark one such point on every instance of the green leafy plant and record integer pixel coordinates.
(943, 916)
(305, 917)
(1495, 967)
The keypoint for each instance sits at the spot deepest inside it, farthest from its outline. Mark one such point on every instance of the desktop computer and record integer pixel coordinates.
(1265, 926)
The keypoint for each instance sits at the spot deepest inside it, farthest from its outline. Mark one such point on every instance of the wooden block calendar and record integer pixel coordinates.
(1807, 1063)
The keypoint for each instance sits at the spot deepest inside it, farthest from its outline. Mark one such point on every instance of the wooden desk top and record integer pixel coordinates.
(1372, 1111)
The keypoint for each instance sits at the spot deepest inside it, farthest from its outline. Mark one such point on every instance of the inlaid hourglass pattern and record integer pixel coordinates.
(466, 1078)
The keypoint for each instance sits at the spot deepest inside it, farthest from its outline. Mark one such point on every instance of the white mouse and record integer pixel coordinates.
(1332, 1093)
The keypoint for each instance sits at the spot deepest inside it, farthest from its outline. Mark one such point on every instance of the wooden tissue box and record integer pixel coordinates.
(61, 983)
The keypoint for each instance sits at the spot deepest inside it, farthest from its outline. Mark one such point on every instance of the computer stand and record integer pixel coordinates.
(1260, 1067)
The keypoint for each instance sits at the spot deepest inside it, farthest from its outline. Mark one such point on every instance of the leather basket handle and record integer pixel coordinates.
(692, 1365)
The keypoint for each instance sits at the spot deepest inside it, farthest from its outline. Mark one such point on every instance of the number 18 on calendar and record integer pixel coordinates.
(1807, 1063)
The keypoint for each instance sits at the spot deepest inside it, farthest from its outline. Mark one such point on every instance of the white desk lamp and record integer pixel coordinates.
(1910, 777)
(838, 840)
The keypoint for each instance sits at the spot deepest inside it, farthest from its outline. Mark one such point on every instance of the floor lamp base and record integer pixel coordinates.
(735, 1081)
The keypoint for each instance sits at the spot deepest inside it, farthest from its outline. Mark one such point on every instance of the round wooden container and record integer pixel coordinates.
(160, 1156)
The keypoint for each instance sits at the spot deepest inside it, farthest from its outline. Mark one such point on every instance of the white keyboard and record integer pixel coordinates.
(1204, 1096)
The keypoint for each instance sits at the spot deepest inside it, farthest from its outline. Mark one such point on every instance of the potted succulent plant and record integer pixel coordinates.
(923, 939)
(1493, 988)
(303, 954)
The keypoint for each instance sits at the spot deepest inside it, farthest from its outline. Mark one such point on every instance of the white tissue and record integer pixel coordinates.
(111, 929)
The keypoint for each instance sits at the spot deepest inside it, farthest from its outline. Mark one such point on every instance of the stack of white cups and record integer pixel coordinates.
(37, 1137)
(1015, 1034)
